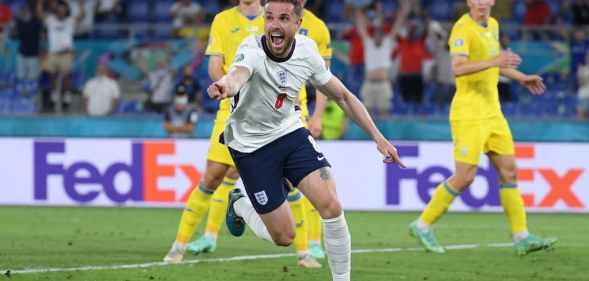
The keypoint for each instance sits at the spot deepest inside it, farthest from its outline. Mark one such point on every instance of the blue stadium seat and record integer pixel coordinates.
(138, 10)
(161, 11)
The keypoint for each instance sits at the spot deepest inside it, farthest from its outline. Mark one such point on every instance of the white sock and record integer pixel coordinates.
(337, 240)
(520, 236)
(422, 225)
(243, 208)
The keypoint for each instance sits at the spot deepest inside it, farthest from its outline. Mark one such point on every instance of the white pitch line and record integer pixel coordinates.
(236, 258)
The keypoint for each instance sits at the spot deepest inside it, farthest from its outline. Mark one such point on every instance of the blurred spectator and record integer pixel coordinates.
(60, 59)
(180, 117)
(86, 26)
(376, 89)
(5, 21)
(579, 46)
(413, 52)
(101, 93)
(538, 12)
(503, 10)
(441, 71)
(504, 86)
(185, 13)
(580, 10)
(333, 122)
(160, 85)
(190, 83)
(583, 93)
(109, 9)
(355, 59)
(28, 32)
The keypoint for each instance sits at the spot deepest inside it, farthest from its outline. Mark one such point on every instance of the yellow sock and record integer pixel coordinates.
(218, 208)
(196, 207)
(513, 204)
(295, 200)
(314, 221)
(438, 205)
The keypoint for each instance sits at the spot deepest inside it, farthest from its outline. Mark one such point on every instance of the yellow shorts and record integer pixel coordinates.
(219, 152)
(473, 137)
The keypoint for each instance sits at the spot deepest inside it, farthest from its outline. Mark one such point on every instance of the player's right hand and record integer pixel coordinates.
(218, 91)
(508, 59)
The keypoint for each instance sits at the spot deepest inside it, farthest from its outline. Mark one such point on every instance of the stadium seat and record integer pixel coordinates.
(138, 10)
(161, 11)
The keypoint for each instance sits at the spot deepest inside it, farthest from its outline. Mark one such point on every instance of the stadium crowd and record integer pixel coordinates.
(50, 72)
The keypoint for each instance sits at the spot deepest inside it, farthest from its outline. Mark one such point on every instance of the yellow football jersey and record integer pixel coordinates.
(476, 95)
(228, 30)
(315, 28)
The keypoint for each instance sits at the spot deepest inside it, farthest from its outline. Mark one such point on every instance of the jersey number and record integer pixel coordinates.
(280, 101)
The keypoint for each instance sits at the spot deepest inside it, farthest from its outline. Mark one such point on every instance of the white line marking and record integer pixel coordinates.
(237, 258)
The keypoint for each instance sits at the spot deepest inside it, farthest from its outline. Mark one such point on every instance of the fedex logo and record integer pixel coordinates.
(426, 179)
(143, 170)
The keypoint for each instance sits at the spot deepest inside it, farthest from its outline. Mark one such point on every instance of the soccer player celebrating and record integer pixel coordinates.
(268, 141)
(478, 126)
(228, 30)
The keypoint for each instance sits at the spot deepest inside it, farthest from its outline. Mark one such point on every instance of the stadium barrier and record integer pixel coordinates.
(160, 173)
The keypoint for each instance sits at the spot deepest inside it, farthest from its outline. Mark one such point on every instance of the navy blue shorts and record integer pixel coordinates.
(291, 157)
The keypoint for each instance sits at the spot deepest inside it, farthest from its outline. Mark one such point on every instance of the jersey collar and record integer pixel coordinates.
(273, 57)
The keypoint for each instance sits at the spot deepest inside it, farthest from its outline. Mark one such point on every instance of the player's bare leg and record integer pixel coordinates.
(442, 198)
(196, 207)
(319, 188)
(513, 205)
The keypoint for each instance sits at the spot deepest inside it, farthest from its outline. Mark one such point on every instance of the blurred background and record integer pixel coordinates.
(147, 48)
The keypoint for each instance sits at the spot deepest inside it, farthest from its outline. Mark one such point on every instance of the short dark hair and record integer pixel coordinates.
(298, 8)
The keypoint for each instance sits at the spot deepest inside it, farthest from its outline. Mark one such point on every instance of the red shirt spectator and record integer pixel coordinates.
(538, 12)
(412, 54)
(5, 14)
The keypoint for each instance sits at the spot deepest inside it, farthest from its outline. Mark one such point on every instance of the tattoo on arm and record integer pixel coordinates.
(325, 174)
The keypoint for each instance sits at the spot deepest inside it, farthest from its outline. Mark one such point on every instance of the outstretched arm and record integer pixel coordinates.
(229, 85)
(534, 83)
(353, 108)
(404, 10)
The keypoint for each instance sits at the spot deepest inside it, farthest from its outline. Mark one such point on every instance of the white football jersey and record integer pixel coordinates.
(265, 108)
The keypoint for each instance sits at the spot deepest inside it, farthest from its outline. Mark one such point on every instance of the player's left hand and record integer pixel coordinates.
(535, 84)
(390, 153)
(315, 126)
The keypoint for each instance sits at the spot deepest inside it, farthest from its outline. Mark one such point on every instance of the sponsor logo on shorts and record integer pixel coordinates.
(261, 197)
(321, 157)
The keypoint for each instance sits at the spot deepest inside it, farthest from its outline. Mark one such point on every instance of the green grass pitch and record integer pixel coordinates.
(54, 238)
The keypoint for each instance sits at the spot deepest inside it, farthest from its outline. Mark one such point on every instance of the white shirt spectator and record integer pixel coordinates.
(87, 23)
(378, 57)
(105, 6)
(60, 33)
(161, 84)
(181, 12)
(100, 92)
(583, 78)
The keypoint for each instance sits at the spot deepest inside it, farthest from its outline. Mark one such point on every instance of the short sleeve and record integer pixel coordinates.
(215, 45)
(324, 42)
(247, 55)
(459, 41)
(321, 75)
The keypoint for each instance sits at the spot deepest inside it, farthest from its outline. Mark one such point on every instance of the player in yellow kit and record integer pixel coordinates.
(229, 28)
(478, 126)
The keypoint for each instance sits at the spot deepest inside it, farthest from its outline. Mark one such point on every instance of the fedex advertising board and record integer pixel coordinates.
(161, 173)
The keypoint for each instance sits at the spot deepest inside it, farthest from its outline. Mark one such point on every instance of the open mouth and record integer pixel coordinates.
(277, 39)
